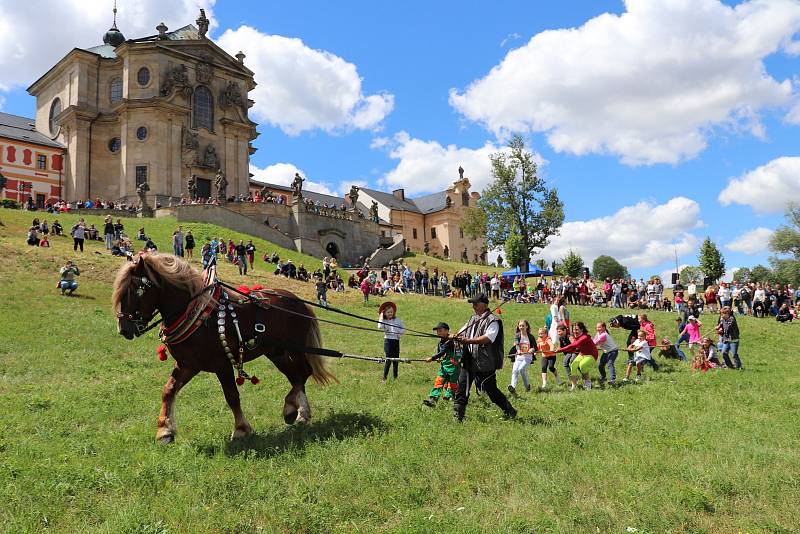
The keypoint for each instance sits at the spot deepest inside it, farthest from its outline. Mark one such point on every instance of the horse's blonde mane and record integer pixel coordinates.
(160, 269)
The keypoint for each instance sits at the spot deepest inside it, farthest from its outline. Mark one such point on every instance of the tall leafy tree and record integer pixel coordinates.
(760, 273)
(515, 251)
(743, 274)
(572, 264)
(711, 261)
(607, 267)
(786, 241)
(689, 273)
(518, 199)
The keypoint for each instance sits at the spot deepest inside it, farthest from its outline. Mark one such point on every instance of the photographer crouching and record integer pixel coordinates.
(68, 285)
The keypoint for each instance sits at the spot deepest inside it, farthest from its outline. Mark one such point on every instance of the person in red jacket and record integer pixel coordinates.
(587, 355)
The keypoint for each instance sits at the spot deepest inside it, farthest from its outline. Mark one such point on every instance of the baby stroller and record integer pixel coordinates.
(597, 298)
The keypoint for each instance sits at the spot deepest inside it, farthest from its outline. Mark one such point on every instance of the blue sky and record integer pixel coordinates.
(642, 112)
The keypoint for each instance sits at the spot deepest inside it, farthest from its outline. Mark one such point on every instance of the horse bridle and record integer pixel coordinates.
(140, 285)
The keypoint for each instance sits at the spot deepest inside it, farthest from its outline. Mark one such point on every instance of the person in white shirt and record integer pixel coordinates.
(642, 354)
(691, 289)
(494, 284)
(392, 328)
(524, 348)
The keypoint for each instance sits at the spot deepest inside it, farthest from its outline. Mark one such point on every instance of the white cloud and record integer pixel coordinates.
(642, 235)
(767, 189)
(508, 38)
(300, 88)
(35, 35)
(283, 174)
(427, 166)
(648, 86)
(751, 242)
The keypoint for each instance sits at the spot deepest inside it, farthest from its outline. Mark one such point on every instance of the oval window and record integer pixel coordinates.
(141, 133)
(55, 109)
(143, 76)
(114, 144)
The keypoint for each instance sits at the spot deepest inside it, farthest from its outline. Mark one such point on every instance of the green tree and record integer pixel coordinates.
(742, 274)
(759, 273)
(711, 261)
(690, 273)
(786, 241)
(572, 264)
(607, 267)
(473, 223)
(515, 250)
(517, 198)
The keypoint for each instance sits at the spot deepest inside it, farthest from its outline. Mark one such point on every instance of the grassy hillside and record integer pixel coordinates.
(680, 452)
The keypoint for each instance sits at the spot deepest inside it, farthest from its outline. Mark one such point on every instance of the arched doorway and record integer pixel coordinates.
(332, 249)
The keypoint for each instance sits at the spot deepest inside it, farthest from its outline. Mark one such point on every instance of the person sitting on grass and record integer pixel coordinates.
(712, 354)
(641, 349)
(586, 360)
(450, 357)
(33, 237)
(700, 361)
(68, 272)
(57, 228)
(784, 314)
(44, 242)
(140, 235)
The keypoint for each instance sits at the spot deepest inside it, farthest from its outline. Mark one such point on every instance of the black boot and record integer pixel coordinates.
(458, 412)
(430, 401)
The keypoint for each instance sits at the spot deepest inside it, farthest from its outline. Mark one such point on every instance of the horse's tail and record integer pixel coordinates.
(319, 370)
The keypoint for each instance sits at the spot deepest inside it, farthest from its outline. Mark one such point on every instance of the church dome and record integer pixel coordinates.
(113, 37)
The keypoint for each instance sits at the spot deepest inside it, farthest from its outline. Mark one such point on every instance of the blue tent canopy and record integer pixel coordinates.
(533, 270)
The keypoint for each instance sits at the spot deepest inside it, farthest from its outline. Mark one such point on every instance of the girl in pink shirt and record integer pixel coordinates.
(693, 329)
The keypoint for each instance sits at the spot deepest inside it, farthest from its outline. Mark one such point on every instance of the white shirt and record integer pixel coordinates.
(642, 349)
(759, 295)
(724, 293)
(393, 328)
(691, 289)
(605, 342)
(491, 331)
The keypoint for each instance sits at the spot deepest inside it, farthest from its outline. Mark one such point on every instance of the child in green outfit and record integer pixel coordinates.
(447, 377)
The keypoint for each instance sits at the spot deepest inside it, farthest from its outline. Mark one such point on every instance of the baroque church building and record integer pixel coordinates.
(155, 109)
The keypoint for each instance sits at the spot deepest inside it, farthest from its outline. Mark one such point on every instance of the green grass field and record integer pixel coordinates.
(680, 452)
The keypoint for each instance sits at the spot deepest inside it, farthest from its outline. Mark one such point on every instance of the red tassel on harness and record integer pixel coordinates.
(257, 287)
(254, 380)
(243, 289)
(162, 352)
(240, 380)
(498, 311)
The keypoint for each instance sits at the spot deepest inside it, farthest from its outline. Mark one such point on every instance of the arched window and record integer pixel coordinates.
(115, 90)
(55, 109)
(203, 108)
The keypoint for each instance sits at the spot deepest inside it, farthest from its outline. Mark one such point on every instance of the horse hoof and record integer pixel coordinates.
(240, 433)
(166, 440)
(290, 417)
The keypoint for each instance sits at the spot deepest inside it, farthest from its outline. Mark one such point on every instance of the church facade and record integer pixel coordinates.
(157, 109)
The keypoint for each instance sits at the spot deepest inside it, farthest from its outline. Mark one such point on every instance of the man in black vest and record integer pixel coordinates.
(482, 338)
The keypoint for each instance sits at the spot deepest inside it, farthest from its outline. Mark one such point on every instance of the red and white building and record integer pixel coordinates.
(31, 162)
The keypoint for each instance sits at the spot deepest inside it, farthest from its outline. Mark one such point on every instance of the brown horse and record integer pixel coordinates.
(215, 331)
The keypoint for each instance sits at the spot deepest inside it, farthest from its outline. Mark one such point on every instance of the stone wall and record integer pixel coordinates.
(222, 216)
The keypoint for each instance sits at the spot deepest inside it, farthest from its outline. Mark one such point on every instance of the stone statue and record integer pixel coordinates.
(465, 255)
(426, 248)
(191, 187)
(210, 158)
(204, 72)
(373, 212)
(142, 190)
(231, 96)
(202, 24)
(354, 195)
(446, 252)
(460, 172)
(190, 140)
(448, 202)
(221, 183)
(176, 78)
(297, 186)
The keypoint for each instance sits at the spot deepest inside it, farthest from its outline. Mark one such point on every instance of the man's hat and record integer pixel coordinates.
(442, 325)
(480, 297)
(386, 305)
